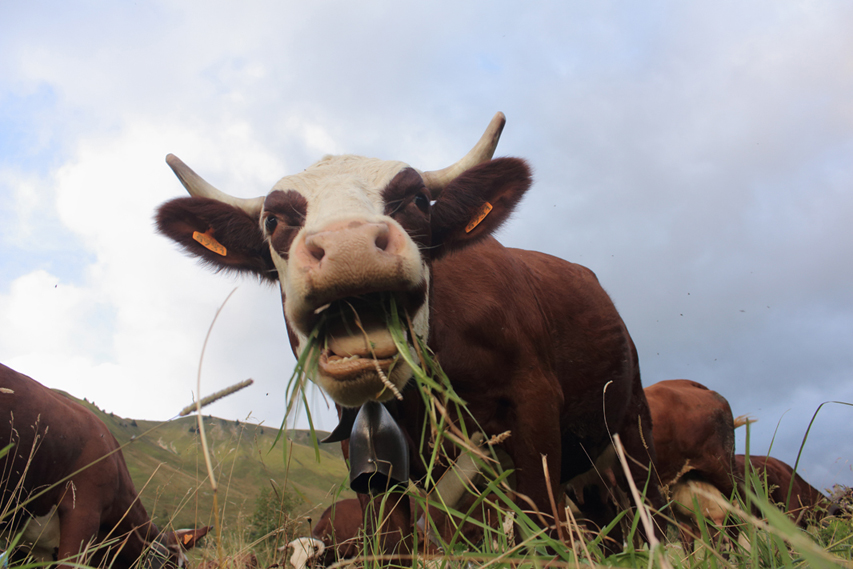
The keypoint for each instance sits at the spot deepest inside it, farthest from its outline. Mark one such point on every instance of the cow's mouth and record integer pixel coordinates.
(355, 339)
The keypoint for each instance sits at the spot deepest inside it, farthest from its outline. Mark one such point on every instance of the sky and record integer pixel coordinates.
(698, 157)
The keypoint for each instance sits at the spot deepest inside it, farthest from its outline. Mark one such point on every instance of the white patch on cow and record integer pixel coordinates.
(41, 534)
(303, 550)
(339, 190)
(707, 496)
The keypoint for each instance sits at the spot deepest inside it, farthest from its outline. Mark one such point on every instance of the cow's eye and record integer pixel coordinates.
(270, 223)
(422, 202)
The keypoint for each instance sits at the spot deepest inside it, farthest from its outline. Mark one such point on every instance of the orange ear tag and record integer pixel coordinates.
(188, 537)
(481, 215)
(208, 242)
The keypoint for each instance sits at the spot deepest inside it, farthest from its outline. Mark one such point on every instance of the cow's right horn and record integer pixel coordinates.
(198, 187)
(436, 180)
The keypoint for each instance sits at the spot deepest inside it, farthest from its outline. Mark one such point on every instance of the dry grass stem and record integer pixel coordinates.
(385, 381)
(642, 511)
(205, 401)
(204, 446)
(559, 525)
(742, 420)
(499, 438)
(574, 524)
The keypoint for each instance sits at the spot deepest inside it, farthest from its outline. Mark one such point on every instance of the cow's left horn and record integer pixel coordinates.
(198, 187)
(482, 152)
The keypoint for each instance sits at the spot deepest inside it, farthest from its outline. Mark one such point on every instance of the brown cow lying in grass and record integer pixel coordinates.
(333, 537)
(806, 503)
(338, 535)
(64, 463)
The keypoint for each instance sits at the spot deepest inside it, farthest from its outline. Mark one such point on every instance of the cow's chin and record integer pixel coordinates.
(353, 381)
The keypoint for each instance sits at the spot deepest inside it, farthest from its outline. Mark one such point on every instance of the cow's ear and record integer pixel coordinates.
(222, 235)
(477, 202)
(189, 538)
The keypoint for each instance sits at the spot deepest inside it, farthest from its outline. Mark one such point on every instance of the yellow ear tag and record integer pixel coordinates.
(481, 215)
(208, 242)
(188, 537)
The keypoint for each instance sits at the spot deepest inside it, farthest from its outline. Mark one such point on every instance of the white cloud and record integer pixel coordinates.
(41, 312)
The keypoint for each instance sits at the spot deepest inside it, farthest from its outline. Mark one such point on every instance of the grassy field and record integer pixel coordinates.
(168, 470)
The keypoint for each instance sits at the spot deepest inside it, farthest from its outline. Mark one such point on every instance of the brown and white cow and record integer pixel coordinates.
(531, 342)
(806, 504)
(337, 535)
(66, 472)
(338, 529)
(694, 434)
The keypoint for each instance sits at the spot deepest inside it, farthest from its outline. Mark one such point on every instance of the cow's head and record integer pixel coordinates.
(342, 236)
(167, 551)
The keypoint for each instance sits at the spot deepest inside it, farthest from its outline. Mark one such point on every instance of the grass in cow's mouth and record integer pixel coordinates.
(295, 393)
(343, 315)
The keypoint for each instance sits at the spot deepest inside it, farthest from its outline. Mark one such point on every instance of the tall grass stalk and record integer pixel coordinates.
(295, 392)
(803, 444)
(203, 437)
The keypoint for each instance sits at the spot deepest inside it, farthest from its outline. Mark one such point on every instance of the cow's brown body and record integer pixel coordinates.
(536, 366)
(694, 437)
(806, 503)
(532, 343)
(340, 528)
(65, 456)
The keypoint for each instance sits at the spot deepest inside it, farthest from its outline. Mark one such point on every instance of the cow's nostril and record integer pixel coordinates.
(382, 236)
(382, 241)
(315, 249)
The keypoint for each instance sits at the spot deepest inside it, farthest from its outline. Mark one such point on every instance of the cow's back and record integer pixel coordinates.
(693, 430)
(804, 498)
(54, 437)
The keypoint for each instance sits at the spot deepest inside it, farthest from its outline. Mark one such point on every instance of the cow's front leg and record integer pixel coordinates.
(535, 432)
(79, 522)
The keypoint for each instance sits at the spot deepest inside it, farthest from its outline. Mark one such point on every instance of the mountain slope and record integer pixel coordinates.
(168, 468)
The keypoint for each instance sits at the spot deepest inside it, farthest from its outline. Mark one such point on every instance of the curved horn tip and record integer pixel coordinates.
(176, 164)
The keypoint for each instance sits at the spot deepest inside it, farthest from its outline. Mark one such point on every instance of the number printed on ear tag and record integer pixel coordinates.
(207, 241)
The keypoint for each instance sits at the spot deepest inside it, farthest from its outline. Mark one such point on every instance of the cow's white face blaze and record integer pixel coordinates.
(337, 242)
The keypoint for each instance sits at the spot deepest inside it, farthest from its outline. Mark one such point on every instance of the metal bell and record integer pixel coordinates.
(378, 452)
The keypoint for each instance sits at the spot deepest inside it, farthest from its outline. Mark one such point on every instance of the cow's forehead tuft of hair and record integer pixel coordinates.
(340, 186)
(332, 172)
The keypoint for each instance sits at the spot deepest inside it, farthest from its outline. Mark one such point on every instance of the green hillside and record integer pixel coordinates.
(167, 466)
